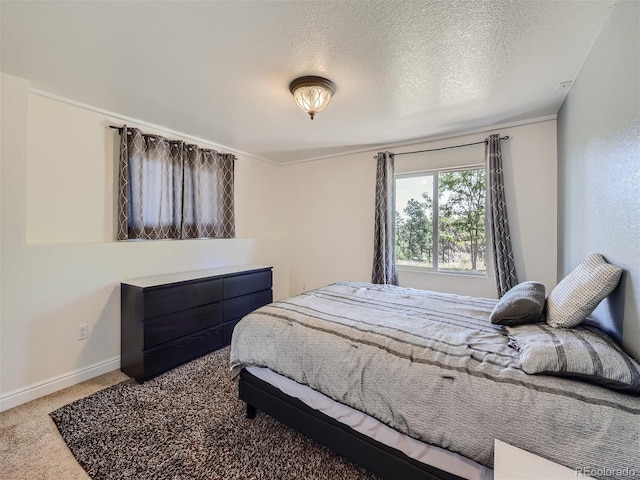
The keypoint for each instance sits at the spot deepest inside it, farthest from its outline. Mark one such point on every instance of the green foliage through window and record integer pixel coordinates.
(440, 220)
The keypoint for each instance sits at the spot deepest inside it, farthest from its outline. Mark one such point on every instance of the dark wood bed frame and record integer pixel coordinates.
(386, 462)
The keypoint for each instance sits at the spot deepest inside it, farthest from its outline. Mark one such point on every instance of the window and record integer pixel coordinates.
(440, 220)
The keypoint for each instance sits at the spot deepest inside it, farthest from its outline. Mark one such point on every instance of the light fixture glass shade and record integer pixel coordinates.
(312, 94)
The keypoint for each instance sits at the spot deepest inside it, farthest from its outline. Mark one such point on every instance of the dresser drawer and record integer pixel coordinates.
(247, 283)
(163, 300)
(237, 307)
(176, 352)
(228, 330)
(167, 327)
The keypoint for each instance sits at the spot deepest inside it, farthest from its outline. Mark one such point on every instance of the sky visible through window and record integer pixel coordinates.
(412, 187)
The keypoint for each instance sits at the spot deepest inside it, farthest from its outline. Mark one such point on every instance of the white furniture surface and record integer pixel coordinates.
(512, 463)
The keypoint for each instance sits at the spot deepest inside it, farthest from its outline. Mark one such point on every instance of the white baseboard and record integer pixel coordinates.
(22, 395)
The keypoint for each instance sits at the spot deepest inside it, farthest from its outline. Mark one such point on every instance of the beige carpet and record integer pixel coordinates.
(31, 447)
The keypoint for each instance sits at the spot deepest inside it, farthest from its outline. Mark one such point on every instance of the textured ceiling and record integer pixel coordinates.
(404, 70)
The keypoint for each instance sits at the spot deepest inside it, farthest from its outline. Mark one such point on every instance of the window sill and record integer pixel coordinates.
(426, 270)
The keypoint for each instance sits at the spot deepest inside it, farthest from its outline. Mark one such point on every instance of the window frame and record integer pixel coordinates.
(435, 220)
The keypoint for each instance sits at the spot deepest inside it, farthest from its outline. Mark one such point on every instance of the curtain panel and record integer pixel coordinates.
(503, 262)
(171, 190)
(384, 254)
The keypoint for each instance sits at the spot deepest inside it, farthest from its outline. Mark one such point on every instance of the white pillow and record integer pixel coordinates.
(580, 292)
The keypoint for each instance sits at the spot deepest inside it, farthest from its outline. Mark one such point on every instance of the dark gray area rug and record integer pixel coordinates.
(189, 424)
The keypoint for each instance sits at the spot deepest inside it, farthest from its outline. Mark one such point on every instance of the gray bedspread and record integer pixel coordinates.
(433, 367)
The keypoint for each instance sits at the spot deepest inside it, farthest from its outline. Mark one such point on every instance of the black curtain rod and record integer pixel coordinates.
(506, 137)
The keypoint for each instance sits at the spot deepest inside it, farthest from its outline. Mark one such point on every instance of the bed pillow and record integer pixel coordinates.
(580, 292)
(524, 303)
(584, 352)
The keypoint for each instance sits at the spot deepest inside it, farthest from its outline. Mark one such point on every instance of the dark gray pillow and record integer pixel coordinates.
(583, 352)
(524, 303)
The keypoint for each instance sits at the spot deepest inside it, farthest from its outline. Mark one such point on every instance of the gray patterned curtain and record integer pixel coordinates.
(208, 194)
(168, 189)
(384, 257)
(503, 263)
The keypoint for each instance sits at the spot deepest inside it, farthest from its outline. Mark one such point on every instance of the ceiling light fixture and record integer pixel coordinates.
(312, 94)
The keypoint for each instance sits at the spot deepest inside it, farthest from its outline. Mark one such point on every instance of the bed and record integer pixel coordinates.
(431, 369)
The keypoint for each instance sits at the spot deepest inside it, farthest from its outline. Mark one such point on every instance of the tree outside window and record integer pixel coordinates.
(441, 220)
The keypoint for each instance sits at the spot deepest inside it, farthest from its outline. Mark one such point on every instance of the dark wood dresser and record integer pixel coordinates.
(171, 319)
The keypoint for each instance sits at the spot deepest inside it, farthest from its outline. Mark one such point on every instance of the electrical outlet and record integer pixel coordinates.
(82, 331)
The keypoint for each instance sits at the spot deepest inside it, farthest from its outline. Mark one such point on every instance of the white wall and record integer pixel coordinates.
(331, 220)
(332, 201)
(599, 169)
(60, 264)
